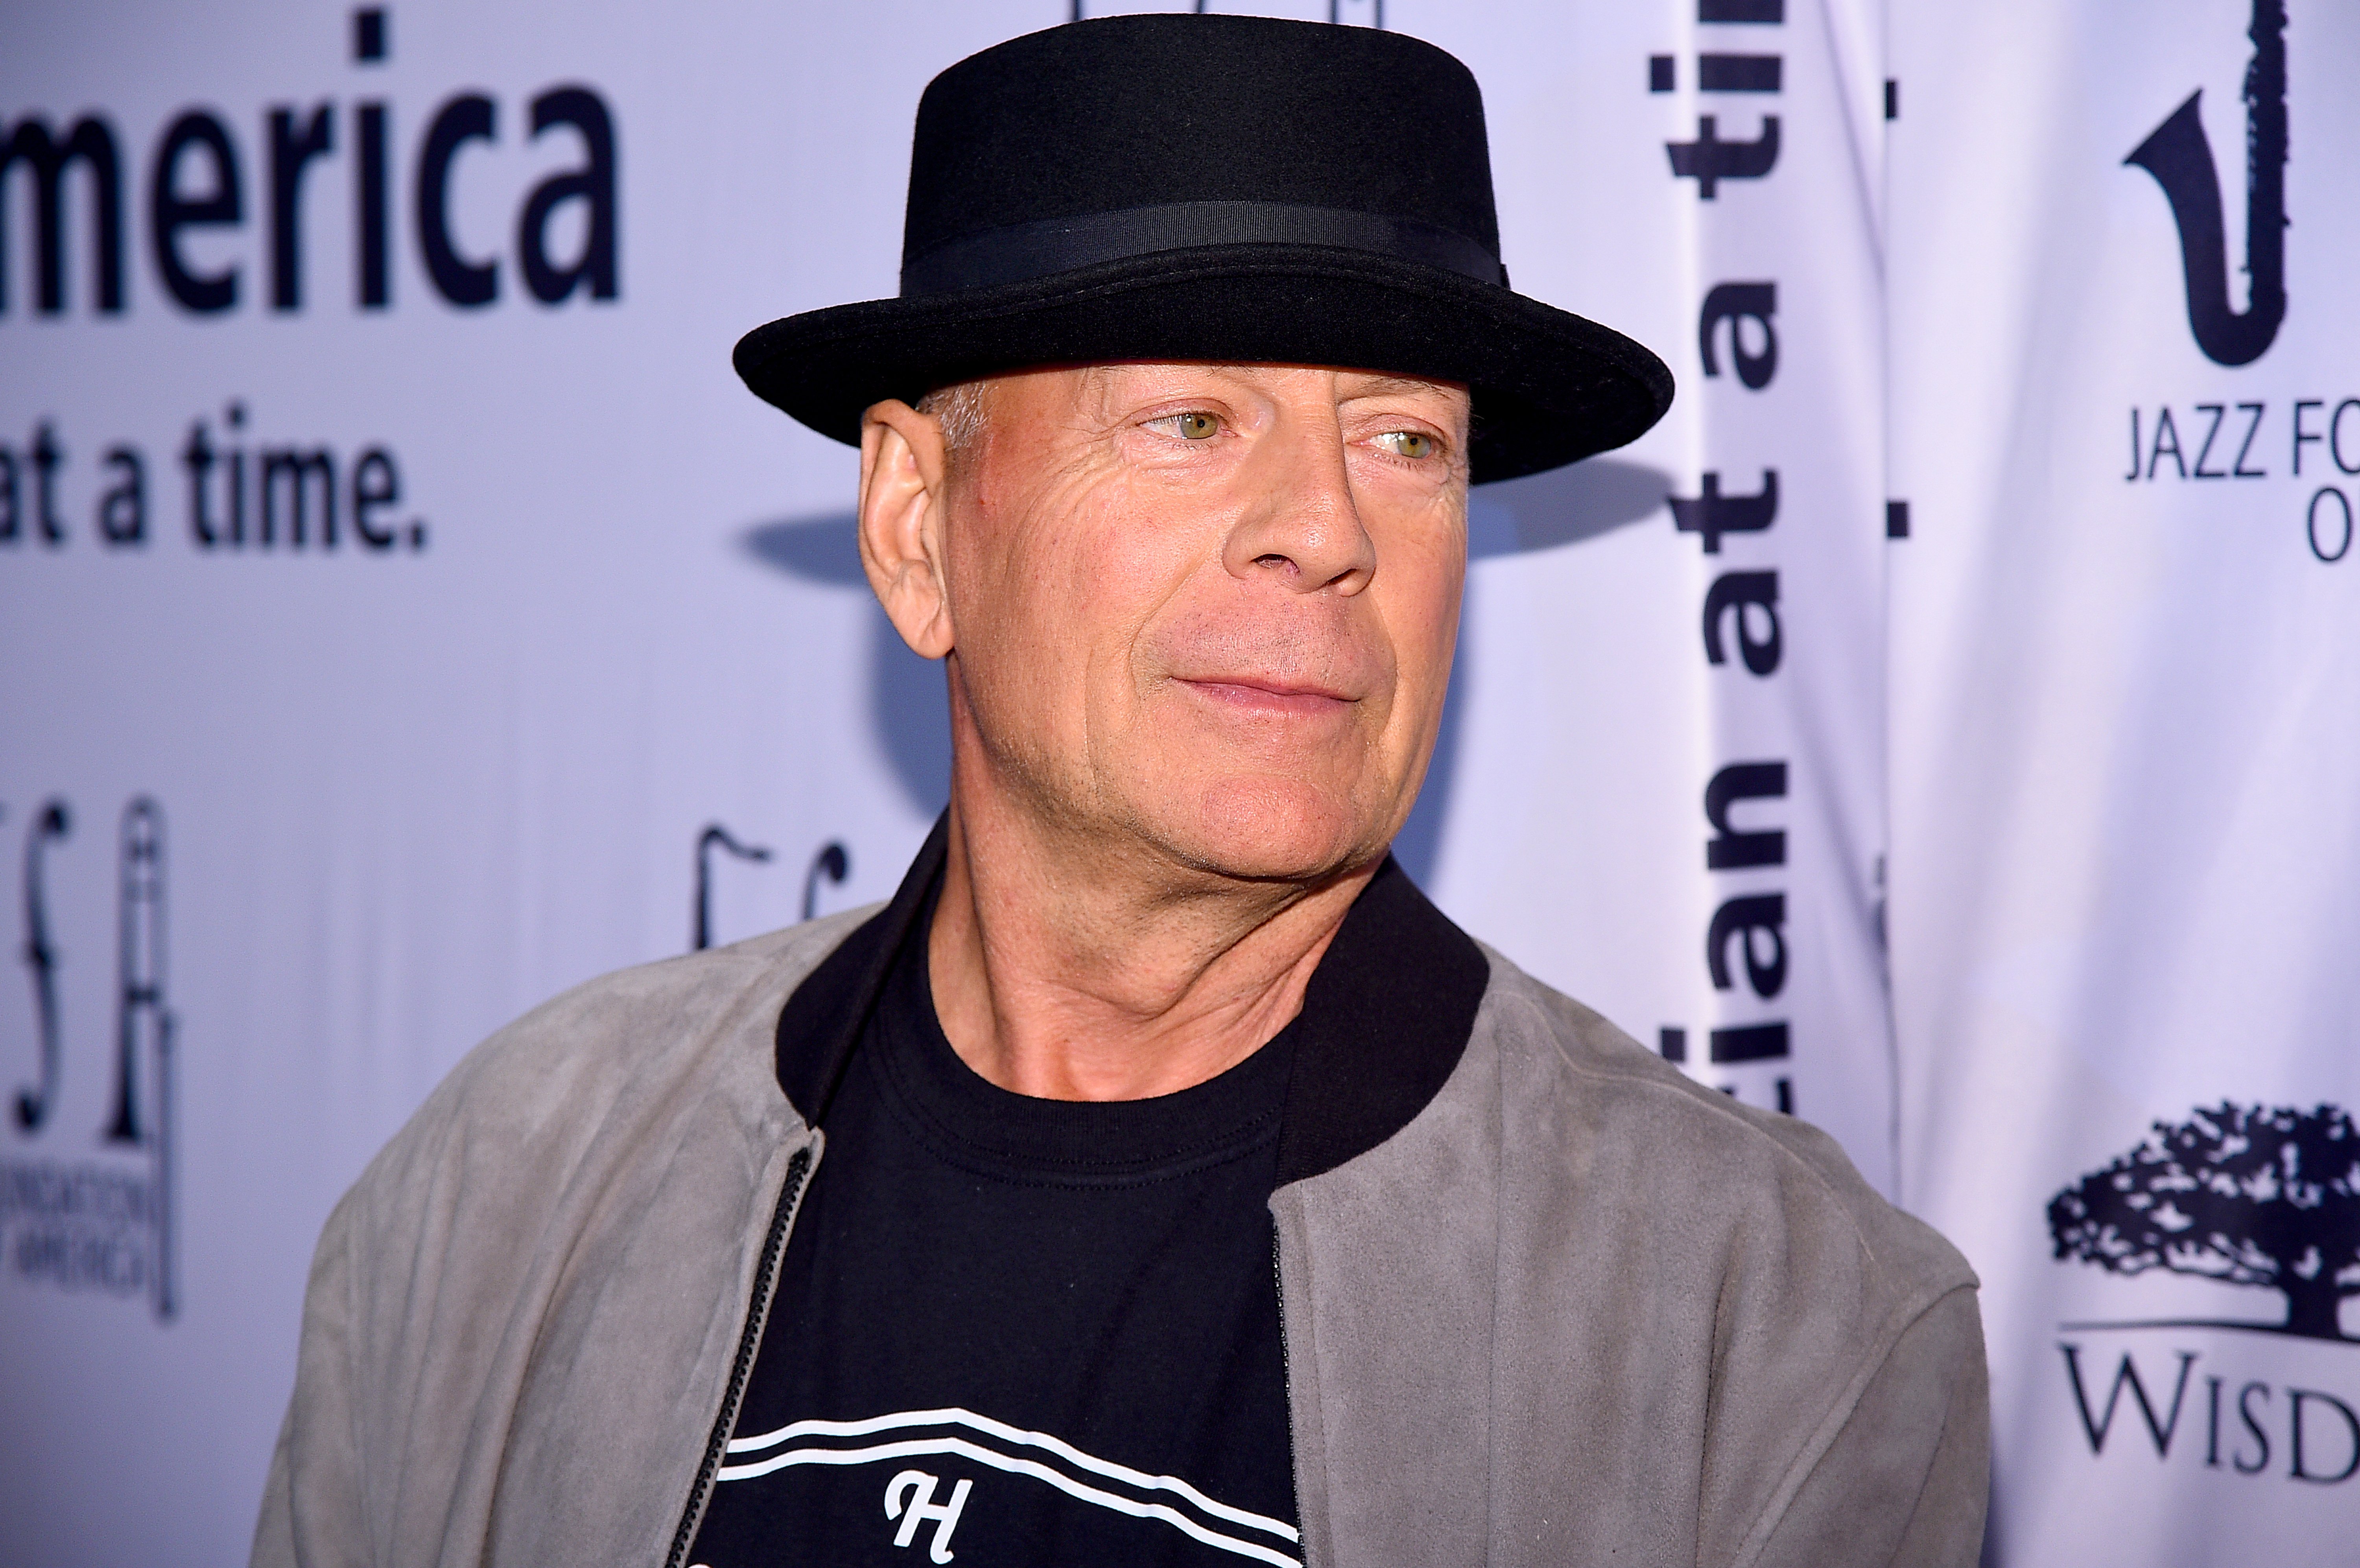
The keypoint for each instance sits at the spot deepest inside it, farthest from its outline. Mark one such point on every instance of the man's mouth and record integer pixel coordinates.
(1263, 694)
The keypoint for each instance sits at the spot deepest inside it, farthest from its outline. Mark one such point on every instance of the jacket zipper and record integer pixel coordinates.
(1286, 1381)
(749, 1343)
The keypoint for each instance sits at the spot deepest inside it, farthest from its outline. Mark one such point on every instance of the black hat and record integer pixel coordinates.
(1223, 187)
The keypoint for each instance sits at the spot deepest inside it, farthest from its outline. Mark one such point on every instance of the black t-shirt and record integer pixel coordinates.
(1010, 1330)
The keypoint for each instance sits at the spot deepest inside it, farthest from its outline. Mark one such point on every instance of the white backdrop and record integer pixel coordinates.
(399, 788)
(2126, 749)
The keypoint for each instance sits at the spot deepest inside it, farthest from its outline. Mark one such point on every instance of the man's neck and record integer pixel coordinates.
(1073, 971)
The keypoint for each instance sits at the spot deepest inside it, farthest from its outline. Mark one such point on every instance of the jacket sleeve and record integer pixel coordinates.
(313, 1509)
(1907, 1479)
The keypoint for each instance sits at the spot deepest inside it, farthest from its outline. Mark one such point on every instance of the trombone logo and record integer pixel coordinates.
(2180, 158)
(104, 1221)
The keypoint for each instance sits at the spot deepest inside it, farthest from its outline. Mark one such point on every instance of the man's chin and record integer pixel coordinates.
(1273, 829)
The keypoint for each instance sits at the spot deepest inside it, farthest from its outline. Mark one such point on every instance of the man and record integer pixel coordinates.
(1159, 1178)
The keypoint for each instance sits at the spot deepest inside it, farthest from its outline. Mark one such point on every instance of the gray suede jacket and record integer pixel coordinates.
(1545, 1300)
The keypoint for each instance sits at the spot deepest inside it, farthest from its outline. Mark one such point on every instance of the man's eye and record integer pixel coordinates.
(1407, 443)
(1196, 425)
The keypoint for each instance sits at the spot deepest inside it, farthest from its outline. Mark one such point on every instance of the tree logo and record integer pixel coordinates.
(2180, 158)
(2248, 1194)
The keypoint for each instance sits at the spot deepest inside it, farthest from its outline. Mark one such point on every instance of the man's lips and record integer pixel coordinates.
(1263, 694)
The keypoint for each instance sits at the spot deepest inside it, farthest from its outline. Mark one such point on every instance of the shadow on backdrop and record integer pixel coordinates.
(911, 713)
(909, 708)
(1520, 517)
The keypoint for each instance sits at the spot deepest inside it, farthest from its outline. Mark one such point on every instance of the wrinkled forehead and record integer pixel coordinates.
(1109, 387)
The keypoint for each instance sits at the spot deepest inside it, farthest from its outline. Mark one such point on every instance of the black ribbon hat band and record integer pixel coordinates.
(1024, 251)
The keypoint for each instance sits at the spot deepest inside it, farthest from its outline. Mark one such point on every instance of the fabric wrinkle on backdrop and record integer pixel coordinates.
(395, 585)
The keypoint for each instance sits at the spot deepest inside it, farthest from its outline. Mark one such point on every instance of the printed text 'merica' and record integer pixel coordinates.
(204, 191)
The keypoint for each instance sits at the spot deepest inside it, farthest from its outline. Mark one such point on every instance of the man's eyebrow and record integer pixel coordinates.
(1376, 385)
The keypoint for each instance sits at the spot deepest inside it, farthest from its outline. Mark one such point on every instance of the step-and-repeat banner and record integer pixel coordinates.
(404, 614)
(2123, 270)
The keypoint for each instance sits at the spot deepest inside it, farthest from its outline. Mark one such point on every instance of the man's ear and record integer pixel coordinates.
(903, 463)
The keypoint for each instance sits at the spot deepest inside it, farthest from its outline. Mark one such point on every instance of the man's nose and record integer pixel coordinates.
(1302, 527)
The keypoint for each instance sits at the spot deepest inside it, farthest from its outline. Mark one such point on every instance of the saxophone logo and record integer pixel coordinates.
(2180, 158)
(104, 1221)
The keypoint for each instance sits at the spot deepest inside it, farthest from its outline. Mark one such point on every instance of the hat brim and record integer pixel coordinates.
(1548, 387)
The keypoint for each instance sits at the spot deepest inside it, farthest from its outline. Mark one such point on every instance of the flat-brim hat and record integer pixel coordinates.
(1213, 188)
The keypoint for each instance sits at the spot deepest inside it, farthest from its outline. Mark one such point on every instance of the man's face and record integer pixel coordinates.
(1208, 608)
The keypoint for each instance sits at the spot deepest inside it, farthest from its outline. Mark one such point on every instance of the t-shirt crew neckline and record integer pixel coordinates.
(1386, 1019)
(965, 1118)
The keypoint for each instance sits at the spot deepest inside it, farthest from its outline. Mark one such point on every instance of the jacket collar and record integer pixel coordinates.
(1385, 1018)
